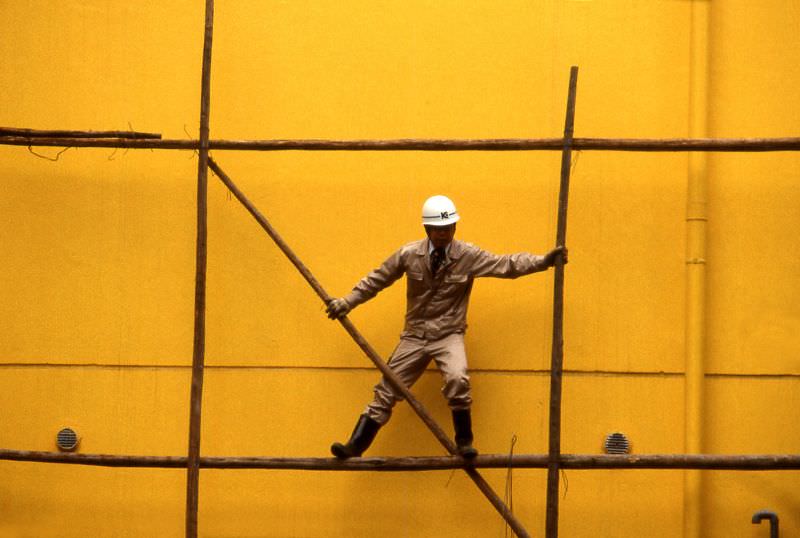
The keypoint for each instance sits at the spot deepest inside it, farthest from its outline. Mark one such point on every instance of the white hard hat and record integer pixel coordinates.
(439, 211)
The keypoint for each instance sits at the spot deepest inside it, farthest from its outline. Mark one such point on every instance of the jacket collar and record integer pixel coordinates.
(453, 252)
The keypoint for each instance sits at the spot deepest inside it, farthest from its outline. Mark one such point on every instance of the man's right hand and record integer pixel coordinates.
(337, 308)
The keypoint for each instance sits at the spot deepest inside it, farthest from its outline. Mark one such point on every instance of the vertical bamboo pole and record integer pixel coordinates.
(557, 357)
(198, 355)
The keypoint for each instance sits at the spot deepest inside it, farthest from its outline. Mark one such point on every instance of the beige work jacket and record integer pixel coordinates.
(437, 306)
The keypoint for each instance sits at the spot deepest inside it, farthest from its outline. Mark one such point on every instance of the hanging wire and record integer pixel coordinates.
(54, 159)
(113, 153)
(194, 151)
(510, 483)
(574, 164)
(449, 478)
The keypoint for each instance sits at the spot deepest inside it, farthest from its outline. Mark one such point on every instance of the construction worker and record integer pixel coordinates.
(440, 272)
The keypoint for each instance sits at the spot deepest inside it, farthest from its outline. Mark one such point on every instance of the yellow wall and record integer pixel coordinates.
(97, 278)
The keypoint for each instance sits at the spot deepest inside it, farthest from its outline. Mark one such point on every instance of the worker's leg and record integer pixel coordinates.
(451, 358)
(408, 362)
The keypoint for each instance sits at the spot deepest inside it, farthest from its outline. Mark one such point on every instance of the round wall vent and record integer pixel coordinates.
(617, 443)
(67, 440)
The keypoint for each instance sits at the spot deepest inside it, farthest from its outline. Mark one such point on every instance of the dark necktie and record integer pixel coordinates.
(437, 258)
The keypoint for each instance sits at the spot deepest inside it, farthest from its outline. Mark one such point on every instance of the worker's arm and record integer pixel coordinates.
(368, 287)
(513, 265)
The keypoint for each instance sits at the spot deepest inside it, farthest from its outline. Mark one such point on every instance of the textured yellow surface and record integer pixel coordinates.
(97, 278)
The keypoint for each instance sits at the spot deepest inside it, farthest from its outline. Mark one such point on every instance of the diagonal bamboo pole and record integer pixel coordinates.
(485, 488)
(557, 359)
(198, 354)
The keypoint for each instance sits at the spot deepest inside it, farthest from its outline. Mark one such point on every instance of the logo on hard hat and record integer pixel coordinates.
(445, 215)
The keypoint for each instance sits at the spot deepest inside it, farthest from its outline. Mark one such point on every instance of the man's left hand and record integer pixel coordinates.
(551, 256)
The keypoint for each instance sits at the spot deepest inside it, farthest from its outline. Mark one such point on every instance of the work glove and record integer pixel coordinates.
(337, 308)
(550, 257)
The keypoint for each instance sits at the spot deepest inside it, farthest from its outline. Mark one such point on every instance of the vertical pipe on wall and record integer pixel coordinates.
(696, 219)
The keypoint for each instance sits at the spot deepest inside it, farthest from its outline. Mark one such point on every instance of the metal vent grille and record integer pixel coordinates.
(67, 439)
(617, 443)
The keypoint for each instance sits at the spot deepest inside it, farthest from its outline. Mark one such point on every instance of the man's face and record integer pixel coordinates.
(441, 236)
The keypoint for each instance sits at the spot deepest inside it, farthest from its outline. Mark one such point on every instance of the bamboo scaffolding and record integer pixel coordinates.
(553, 461)
(754, 462)
(373, 356)
(198, 354)
(557, 355)
(494, 144)
(42, 133)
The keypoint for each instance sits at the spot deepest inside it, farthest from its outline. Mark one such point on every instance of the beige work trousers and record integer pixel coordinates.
(409, 361)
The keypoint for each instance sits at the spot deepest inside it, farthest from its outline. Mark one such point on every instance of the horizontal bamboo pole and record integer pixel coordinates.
(50, 133)
(511, 144)
(765, 462)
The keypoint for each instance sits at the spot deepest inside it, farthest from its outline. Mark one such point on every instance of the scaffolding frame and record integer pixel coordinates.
(553, 461)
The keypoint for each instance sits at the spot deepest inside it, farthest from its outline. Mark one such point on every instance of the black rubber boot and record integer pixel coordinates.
(363, 435)
(462, 421)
